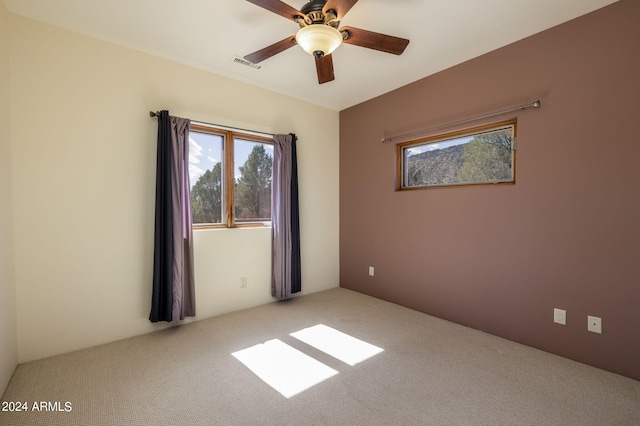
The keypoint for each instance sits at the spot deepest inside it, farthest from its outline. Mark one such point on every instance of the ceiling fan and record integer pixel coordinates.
(319, 34)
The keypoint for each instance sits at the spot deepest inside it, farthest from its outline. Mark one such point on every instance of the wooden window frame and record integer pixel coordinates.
(228, 167)
(401, 147)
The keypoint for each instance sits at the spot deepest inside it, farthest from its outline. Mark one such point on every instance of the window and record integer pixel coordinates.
(230, 176)
(481, 155)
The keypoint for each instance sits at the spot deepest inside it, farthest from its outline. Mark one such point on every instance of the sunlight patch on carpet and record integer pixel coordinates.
(339, 345)
(283, 367)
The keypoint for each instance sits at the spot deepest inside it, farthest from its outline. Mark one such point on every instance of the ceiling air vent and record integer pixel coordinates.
(242, 61)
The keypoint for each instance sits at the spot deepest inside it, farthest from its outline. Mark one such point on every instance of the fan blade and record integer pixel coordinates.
(340, 6)
(272, 50)
(377, 41)
(324, 67)
(278, 7)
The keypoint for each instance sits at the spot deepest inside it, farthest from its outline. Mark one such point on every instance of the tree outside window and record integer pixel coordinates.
(475, 156)
(218, 157)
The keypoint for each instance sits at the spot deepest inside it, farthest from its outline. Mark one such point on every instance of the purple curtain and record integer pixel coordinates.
(285, 219)
(173, 296)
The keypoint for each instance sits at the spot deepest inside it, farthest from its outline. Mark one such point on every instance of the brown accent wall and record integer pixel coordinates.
(500, 258)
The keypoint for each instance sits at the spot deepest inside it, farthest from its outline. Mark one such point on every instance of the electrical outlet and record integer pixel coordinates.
(594, 324)
(371, 271)
(560, 316)
(243, 282)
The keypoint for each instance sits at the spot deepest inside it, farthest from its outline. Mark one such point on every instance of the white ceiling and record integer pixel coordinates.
(208, 33)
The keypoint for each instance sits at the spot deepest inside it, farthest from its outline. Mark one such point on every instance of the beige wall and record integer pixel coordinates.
(8, 342)
(84, 183)
(500, 258)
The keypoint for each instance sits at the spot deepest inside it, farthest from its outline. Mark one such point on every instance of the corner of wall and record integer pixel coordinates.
(8, 326)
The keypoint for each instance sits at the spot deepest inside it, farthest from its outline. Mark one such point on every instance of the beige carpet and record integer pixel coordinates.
(429, 372)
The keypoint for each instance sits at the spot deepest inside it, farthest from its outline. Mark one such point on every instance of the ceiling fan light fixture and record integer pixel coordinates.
(319, 39)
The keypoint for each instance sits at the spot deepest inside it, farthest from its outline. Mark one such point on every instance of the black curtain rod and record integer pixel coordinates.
(153, 114)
